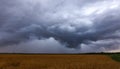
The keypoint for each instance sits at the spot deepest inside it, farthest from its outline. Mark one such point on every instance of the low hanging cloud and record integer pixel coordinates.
(49, 45)
(72, 26)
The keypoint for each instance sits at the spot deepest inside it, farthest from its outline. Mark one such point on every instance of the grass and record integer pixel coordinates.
(21, 61)
(115, 57)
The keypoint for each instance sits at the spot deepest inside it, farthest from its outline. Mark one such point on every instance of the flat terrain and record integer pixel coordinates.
(115, 57)
(21, 61)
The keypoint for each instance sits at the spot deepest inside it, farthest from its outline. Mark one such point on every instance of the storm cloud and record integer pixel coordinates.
(59, 26)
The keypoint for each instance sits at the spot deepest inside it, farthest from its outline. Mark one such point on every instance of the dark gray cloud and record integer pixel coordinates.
(83, 25)
(38, 46)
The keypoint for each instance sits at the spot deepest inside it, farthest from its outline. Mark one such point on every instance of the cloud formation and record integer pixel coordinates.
(38, 46)
(81, 25)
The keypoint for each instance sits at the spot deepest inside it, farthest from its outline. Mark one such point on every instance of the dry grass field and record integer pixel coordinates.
(21, 61)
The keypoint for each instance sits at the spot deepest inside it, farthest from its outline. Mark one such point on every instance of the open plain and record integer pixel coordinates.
(42, 61)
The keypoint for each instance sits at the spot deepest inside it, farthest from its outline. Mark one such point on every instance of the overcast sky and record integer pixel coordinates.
(59, 26)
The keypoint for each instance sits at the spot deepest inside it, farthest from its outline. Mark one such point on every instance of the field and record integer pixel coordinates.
(22, 61)
(115, 57)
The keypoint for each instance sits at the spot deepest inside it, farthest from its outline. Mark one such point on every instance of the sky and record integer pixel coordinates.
(59, 26)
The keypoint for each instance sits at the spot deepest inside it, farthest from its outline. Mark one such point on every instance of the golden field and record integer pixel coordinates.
(22, 61)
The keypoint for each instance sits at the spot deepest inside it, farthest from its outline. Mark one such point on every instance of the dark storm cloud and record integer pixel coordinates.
(38, 46)
(76, 24)
(101, 46)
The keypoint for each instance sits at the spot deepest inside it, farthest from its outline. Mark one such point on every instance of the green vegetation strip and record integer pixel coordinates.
(115, 57)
